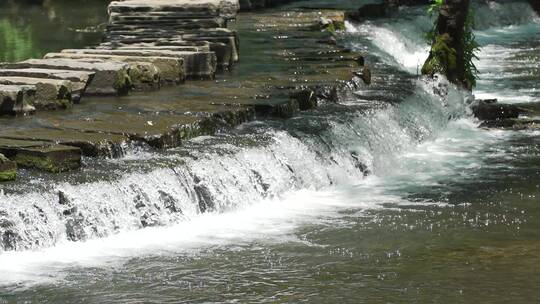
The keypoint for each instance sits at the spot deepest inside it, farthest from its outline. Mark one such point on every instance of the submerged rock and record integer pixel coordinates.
(9, 238)
(359, 164)
(512, 124)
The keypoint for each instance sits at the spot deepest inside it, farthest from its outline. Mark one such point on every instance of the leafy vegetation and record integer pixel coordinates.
(470, 49)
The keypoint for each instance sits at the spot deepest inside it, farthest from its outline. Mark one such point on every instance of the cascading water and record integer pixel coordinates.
(404, 141)
(337, 150)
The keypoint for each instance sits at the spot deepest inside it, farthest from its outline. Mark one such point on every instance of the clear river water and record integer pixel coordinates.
(450, 212)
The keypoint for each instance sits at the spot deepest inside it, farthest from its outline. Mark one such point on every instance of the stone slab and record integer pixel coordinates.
(196, 64)
(17, 99)
(41, 155)
(171, 69)
(50, 94)
(110, 77)
(157, 130)
(91, 143)
(224, 8)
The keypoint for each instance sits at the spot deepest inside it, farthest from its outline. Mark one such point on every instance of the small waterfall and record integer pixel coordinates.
(490, 14)
(307, 153)
(404, 52)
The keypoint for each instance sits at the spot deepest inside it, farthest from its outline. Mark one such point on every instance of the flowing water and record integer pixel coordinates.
(394, 196)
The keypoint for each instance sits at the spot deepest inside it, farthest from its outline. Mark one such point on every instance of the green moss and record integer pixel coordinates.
(442, 58)
(340, 26)
(334, 26)
(45, 163)
(123, 82)
(8, 175)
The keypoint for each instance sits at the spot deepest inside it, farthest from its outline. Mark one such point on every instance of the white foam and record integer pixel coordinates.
(267, 221)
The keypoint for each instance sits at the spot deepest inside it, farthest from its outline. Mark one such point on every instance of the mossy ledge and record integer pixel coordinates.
(8, 169)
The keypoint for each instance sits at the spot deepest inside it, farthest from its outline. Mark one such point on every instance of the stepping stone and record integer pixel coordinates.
(223, 8)
(196, 64)
(157, 130)
(91, 143)
(51, 94)
(126, 22)
(8, 169)
(79, 80)
(155, 47)
(110, 77)
(171, 70)
(41, 155)
(17, 99)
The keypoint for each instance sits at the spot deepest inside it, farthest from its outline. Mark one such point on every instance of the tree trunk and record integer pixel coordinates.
(447, 51)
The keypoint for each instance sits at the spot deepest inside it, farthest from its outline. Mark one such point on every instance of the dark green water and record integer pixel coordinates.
(451, 213)
(31, 31)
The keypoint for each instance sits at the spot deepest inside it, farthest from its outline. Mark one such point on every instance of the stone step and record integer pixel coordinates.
(73, 76)
(41, 155)
(171, 70)
(162, 14)
(218, 35)
(91, 143)
(8, 169)
(223, 51)
(113, 16)
(127, 22)
(17, 99)
(50, 94)
(157, 130)
(79, 80)
(196, 64)
(154, 46)
(110, 77)
(222, 8)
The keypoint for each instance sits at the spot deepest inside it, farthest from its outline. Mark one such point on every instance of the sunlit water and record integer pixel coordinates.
(448, 214)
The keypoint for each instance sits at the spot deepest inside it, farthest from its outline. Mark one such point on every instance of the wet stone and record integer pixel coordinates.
(494, 111)
(110, 77)
(516, 124)
(196, 64)
(158, 131)
(17, 99)
(8, 169)
(41, 155)
(91, 143)
(51, 94)
(171, 70)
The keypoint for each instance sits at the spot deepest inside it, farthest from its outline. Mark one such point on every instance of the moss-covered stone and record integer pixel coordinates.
(41, 155)
(53, 159)
(306, 99)
(144, 76)
(442, 58)
(8, 169)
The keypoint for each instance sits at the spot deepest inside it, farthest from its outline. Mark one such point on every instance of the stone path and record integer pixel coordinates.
(156, 44)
